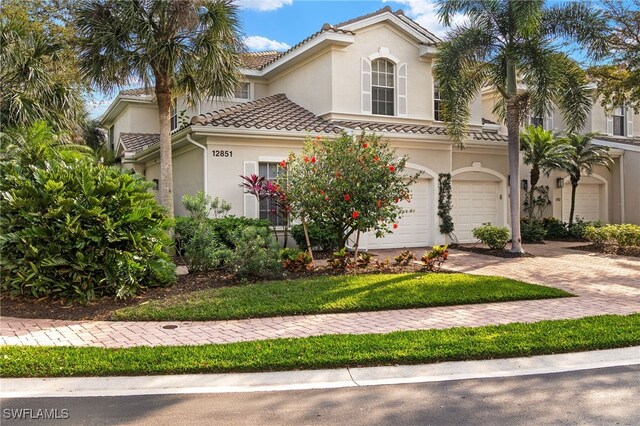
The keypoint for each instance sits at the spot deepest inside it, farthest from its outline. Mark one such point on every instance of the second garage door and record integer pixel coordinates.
(587, 202)
(474, 203)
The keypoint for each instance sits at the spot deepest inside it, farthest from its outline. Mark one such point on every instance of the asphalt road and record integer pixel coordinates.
(609, 396)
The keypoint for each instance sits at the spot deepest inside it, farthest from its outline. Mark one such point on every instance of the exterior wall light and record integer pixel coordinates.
(524, 184)
(560, 183)
(156, 184)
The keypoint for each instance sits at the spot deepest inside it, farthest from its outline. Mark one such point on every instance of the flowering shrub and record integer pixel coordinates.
(351, 184)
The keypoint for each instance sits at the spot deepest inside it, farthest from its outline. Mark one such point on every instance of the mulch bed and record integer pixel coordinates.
(101, 309)
(505, 254)
(619, 251)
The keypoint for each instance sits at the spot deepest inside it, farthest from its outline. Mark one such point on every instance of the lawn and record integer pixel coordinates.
(346, 293)
(333, 351)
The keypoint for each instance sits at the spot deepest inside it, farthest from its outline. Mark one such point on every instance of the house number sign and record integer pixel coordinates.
(222, 153)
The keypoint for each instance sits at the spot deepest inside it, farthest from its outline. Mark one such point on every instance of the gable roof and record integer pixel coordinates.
(139, 91)
(275, 112)
(136, 142)
(416, 129)
(257, 60)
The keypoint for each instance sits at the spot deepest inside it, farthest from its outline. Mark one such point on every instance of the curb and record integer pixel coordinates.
(315, 379)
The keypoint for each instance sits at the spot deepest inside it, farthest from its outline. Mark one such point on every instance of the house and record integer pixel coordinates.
(370, 73)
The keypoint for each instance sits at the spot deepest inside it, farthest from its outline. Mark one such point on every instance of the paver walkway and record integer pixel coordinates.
(604, 284)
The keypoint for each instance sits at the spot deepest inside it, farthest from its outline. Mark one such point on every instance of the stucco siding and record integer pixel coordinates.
(188, 176)
(631, 185)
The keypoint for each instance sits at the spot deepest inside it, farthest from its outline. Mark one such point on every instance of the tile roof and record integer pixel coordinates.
(256, 60)
(139, 91)
(618, 139)
(275, 112)
(415, 128)
(136, 142)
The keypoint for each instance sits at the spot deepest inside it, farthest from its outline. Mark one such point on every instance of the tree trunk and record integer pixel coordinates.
(533, 180)
(574, 187)
(357, 247)
(306, 237)
(163, 96)
(513, 136)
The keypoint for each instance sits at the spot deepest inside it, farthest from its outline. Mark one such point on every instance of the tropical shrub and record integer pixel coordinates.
(496, 237)
(351, 184)
(204, 251)
(363, 260)
(622, 236)
(295, 260)
(434, 259)
(556, 229)
(203, 206)
(340, 260)
(256, 253)
(74, 229)
(532, 231)
(578, 228)
(320, 236)
(404, 258)
(222, 229)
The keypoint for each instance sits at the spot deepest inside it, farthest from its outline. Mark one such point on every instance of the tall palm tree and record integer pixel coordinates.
(584, 156)
(506, 42)
(544, 153)
(190, 47)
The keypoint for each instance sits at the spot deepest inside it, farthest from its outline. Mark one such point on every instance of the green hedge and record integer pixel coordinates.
(321, 237)
(74, 229)
(623, 236)
(223, 229)
(496, 237)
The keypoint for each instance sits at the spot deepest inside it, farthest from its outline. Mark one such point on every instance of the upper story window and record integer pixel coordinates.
(382, 87)
(268, 206)
(618, 121)
(437, 111)
(537, 121)
(174, 114)
(243, 91)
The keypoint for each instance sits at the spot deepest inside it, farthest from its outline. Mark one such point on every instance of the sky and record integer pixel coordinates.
(280, 24)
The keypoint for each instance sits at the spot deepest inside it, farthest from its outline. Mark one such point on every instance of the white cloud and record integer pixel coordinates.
(424, 12)
(263, 43)
(262, 5)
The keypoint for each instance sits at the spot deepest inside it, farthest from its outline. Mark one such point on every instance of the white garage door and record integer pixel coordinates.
(414, 227)
(474, 203)
(587, 202)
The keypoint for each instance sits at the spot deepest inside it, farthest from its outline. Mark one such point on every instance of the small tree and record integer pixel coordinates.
(583, 158)
(351, 184)
(544, 153)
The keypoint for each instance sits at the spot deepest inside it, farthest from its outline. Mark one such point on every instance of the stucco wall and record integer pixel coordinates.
(632, 183)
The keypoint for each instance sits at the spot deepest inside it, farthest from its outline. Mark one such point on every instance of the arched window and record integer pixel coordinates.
(382, 87)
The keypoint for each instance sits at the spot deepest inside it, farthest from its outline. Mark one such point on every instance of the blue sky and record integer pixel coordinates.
(279, 24)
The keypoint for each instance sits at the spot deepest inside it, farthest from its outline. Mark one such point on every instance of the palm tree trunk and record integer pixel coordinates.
(574, 187)
(513, 137)
(534, 177)
(163, 96)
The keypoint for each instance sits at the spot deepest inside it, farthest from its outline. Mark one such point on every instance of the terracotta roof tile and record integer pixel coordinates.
(273, 112)
(256, 60)
(140, 91)
(136, 142)
(404, 128)
(619, 139)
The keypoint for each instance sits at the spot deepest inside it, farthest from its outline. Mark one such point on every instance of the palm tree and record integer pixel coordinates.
(544, 153)
(506, 42)
(189, 47)
(36, 85)
(583, 157)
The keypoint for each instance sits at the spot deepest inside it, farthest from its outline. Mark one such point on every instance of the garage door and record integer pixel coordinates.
(587, 202)
(413, 229)
(474, 203)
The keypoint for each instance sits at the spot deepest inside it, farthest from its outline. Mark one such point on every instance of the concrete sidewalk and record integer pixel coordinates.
(315, 379)
(604, 285)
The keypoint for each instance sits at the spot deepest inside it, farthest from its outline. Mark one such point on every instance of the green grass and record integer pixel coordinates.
(405, 347)
(350, 293)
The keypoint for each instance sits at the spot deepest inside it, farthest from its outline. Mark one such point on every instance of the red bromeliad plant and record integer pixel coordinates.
(262, 189)
(350, 184)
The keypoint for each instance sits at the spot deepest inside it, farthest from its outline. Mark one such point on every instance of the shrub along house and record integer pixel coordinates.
(372, 73)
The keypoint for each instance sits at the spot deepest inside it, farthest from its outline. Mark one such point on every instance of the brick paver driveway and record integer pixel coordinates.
(605, 285)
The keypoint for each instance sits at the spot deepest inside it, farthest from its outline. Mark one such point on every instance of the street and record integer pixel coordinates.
(603, 396)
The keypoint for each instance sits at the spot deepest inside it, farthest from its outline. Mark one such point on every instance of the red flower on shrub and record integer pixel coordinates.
(397, 200)
(365, 145)
(313, 159)
(306, 159)
(347, 197)
(283, 164)
(379, 203)
(395, 226)
(376, 158)
(318, 137)
(355, 214)
(392, 169)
